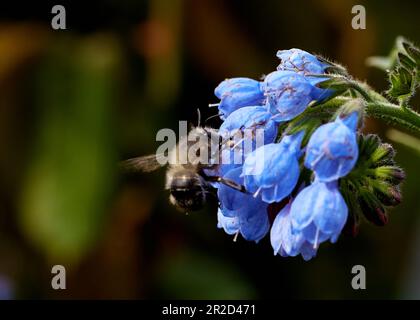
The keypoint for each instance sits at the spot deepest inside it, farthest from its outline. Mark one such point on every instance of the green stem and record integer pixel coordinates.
(394, 114)
(364, 90)
(379, 109)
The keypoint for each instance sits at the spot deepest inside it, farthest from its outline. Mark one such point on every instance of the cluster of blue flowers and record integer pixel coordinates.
(312, 213)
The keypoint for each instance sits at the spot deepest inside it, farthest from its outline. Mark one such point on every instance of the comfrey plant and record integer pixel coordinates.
(316, 173)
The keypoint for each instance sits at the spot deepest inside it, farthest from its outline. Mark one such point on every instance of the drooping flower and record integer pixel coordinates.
(285, 242)
(242, 132)
(300, 61)
(319, 212)
(273, 169)
(250, 118)
(289, 94)
(269, 171)
(236, 93)
(231, 225)
(232, 200)
(229, 159)
(241, 211)
(252, 227)
(332, 150)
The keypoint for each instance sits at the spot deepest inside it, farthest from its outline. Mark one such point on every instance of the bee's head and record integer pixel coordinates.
(187, 190)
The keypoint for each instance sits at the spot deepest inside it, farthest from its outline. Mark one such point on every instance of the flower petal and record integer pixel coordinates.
(332, 150)
(231, 225)
(236, 93)
(300, 61)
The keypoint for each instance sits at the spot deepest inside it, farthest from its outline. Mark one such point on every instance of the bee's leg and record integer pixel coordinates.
(227, 182)
(232, 184)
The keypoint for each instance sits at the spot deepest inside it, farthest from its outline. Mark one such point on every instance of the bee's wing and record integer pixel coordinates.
(145, 164)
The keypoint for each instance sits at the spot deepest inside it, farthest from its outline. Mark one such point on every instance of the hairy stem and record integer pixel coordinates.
(395, 115)
(376, 108)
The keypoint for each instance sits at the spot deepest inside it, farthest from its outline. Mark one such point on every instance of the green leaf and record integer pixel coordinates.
(406, 62)
(413, 52)
(307, 124)
(337, 83)
(402, 83)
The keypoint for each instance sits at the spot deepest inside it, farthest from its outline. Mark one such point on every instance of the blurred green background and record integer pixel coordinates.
(74, 102)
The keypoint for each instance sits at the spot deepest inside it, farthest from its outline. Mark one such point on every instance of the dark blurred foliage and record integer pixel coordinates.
(75, 102)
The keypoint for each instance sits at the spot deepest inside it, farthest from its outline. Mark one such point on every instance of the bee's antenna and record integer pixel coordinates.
(199, 117)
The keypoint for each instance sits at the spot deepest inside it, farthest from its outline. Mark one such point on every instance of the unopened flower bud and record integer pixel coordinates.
(372, 209)
(383, 155)
(351, 227)
(393, 174)
(391, 197)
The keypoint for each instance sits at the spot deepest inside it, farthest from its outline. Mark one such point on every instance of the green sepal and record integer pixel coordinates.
(412, 51)
(402, 83)
(407, 62)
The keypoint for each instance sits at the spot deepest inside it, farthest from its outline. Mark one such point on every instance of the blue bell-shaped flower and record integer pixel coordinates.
(285, 242)
(332, 150)
(319, 212)
(300, 61)
(289, 94)
(273, 169)
(236, 93)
